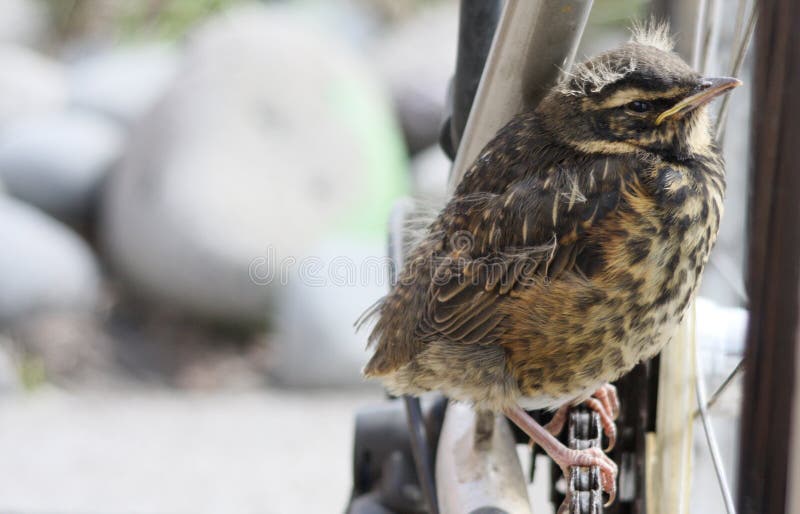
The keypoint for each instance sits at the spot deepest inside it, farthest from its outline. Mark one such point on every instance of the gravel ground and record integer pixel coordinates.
(171, 452)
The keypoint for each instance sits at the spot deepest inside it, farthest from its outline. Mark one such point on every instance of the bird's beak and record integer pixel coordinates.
(708, 89)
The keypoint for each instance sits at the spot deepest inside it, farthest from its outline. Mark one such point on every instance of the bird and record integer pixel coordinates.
(568, 252)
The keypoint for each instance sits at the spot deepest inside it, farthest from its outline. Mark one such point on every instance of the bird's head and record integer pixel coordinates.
(640, 96)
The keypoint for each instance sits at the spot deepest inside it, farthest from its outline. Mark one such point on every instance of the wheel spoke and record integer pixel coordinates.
(739, 52)
(711, 438)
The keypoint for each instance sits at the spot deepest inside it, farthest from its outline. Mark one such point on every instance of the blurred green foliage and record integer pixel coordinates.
(31, 373)
(169, 19)
(129, 19)
(618, 12)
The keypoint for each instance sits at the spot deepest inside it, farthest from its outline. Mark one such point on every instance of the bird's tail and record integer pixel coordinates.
(368, 316)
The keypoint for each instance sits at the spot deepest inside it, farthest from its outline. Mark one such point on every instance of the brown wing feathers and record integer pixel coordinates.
(482, 247)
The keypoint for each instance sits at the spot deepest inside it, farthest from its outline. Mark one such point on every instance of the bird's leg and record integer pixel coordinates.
(605, 402)
(567, 457)
(556, 425)
(557, 422)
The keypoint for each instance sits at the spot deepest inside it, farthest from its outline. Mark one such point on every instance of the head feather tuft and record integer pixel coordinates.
(652, 33)
(592, 76)
(595, 74)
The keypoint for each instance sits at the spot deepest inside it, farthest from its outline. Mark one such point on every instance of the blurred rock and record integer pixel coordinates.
(22, 22)
(125, 82)
(354, 21)
(430, 170)
(29, 84)
(57, 161)
(316, 344)
(43, 265)
(417, 60)
(272, 136)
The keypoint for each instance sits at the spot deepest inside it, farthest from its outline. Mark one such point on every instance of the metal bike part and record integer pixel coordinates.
(421, 451)
(534, 41)
(477, 467)
(384, 473)
(584, 486)
(476, 28)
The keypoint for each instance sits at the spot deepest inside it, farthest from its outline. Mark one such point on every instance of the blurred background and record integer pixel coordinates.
(193, 202)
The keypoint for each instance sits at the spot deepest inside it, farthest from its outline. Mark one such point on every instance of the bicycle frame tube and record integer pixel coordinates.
(534, 41)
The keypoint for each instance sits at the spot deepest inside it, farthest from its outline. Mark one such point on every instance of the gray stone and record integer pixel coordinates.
(57, 161)
(316, 344)
(29, 84)
(123, 82)
(43, 265)
(23, 22)
(272, 136)
(416, 60)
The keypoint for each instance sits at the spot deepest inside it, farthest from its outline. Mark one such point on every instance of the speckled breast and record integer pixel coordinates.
(592, 326)
(671, 229)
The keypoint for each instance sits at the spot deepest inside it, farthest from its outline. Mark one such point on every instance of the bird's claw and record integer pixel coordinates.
(567, 457)
(607, 394)
(607, 422)
(605, 403)
(591, 457)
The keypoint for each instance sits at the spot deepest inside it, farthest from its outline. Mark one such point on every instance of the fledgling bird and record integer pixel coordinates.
(570, 249)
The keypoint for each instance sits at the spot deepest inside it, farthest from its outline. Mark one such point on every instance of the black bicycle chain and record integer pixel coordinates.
(584, 485)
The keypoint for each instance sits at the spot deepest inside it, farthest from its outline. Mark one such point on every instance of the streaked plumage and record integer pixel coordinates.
(571, 248)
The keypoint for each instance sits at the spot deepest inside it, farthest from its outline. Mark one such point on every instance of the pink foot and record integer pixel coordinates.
(566, 457)
(604, 402)
(607, 394)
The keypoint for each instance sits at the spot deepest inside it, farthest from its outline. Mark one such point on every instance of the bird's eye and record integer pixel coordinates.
(639, 106)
